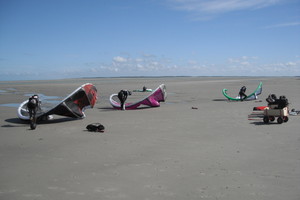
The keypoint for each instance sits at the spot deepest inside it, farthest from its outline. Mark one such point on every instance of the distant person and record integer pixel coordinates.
(144, 89)
(122, 95)
(242, 94)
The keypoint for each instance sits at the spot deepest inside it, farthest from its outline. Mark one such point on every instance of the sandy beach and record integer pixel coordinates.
(169, 152)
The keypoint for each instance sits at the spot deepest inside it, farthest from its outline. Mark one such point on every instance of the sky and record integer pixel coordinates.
(54, 39)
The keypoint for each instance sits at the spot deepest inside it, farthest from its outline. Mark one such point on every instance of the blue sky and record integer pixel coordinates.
(53, 39)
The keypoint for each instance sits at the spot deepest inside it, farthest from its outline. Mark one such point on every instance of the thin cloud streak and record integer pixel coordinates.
(207, 8)
(283, 25)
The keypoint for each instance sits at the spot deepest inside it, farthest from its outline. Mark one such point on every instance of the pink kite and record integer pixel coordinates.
(152, 100)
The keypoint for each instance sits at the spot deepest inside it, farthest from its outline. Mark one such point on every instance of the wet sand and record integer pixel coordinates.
(170, 152)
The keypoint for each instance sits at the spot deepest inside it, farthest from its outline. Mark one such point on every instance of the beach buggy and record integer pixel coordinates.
(276, 108)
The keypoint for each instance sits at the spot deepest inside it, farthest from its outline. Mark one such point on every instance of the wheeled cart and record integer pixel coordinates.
(270, 113)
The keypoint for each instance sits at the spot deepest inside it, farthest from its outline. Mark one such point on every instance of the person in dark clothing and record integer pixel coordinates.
(122, 95)
(144, 89)
(33, 106)
(242, 94)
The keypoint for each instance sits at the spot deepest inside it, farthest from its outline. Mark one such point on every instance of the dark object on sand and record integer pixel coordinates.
(95, 127)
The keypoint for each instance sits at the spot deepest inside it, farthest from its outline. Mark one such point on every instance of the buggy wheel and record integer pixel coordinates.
(279, 120)
(272, 118)
(285, 119)
(266, 119)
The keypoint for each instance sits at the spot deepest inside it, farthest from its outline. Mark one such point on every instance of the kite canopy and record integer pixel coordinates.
(72, 106)
(252, 96)
(153, 100)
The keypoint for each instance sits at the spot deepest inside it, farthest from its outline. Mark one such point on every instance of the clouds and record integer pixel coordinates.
(119, 59)
(220, 6)
(205, 9)
(151, 65)
(143, 65)
(253, 66)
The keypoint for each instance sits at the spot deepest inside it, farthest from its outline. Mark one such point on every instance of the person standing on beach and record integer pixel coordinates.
(242, 93)
(122, 95)
(33, 105)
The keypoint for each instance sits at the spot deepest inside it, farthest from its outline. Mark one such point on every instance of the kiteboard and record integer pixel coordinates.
(73, 105)
(147, 90)
(153, 100)
(252, 96)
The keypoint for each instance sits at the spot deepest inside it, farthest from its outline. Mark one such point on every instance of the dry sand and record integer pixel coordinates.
(171, 152)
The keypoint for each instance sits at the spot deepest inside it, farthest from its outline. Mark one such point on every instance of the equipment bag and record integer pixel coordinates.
(95, 127)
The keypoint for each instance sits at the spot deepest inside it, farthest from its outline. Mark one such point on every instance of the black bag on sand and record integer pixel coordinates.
(95, 127)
